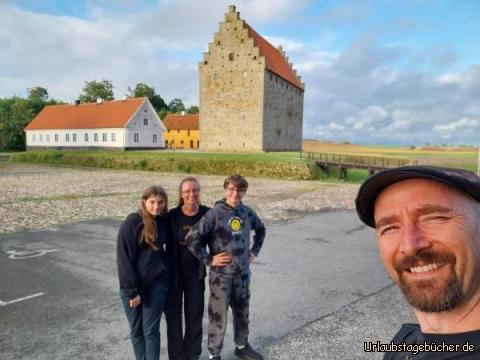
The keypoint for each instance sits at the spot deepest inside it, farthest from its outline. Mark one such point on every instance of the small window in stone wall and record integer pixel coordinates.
(86, 137)
(113, 137)
(41, 137)
(154, 140)
(104, 137)
(135, 137)
(74, 137)
(231, 57)
(95, 137)
(218, 43)
(67, 137)
(254, 58)
(145, 121)
(56, 137)
(205, 62)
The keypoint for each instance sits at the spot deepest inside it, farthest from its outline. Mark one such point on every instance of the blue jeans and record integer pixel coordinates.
(144, 320)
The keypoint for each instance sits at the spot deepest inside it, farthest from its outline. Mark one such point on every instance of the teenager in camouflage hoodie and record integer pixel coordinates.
(226, 230)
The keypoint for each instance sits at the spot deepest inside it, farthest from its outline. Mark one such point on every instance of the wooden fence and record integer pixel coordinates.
(326, 161)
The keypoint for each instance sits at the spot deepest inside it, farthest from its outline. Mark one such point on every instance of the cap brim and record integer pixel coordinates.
(374, 185)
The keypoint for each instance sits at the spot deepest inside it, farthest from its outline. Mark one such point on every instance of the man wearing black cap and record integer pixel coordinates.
(428, 233)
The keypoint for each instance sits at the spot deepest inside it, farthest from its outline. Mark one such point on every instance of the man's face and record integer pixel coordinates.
(233, 194)
(429, 239)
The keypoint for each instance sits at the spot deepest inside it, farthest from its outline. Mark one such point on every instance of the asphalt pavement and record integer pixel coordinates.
(319, 291)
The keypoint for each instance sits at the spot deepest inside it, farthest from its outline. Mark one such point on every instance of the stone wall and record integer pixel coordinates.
(231, 88)
(282, 114)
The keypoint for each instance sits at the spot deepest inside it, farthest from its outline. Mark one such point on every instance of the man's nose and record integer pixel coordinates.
(412, 240)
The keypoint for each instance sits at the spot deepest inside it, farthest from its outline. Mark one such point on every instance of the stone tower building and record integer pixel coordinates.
(251, 99)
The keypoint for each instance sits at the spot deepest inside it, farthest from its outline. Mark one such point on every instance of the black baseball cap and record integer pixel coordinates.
(463, 180)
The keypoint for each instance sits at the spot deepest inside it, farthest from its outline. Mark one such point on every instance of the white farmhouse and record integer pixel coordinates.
(120, 124)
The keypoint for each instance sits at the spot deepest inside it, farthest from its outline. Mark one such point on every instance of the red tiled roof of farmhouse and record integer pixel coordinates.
(109, 114)
(181, 122)
(274, 59)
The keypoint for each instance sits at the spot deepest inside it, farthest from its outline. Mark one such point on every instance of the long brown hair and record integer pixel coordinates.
(149, 232)
(187, 179)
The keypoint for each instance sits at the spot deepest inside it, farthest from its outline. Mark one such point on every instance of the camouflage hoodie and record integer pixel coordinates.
(224, 228)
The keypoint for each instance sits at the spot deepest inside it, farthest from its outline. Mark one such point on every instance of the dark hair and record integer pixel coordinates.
(184, 180)
(236, 180)
(149, 231)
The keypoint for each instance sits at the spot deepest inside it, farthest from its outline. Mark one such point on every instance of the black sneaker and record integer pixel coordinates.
(248, 353)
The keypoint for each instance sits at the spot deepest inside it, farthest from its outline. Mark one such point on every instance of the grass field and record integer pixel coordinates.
(465, 158)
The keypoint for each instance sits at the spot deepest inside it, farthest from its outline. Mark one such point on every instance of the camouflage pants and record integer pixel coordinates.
(224, 291)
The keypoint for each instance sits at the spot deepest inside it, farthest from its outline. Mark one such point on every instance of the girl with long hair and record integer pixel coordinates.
(143, 271)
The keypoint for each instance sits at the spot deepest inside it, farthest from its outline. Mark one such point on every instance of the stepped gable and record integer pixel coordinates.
(108, 114)
(275, 59)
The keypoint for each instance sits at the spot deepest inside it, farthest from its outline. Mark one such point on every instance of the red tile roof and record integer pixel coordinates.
(109, 114)
(181, 122)
(275, 61)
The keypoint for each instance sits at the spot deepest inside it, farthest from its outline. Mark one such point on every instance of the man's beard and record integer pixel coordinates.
(432, 295)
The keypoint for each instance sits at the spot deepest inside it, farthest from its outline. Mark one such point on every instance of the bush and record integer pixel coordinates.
(284, 170)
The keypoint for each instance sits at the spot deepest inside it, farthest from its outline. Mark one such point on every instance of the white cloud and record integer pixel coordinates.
(287, 44)
(335, 126)
(464, 123)
(449, 79)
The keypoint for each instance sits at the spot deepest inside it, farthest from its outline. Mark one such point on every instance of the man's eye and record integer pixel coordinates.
(388, 229)
(436, 218)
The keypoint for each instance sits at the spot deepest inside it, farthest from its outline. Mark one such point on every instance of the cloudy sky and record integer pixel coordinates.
(376, 72)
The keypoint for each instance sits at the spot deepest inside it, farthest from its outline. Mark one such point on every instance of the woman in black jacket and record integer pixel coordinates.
(187, 277)
(143, 271)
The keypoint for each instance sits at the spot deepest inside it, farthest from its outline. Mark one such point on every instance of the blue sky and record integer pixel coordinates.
(376, 72)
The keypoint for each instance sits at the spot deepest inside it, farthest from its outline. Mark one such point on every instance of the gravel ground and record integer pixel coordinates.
(35, 197)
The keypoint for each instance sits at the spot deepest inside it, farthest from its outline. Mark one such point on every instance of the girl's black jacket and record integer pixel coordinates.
(172, 244)
(139, 265)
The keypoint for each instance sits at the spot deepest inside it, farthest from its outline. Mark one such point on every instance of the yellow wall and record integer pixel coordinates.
(173, 139)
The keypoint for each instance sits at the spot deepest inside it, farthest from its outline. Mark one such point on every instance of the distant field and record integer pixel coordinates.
(466, 158)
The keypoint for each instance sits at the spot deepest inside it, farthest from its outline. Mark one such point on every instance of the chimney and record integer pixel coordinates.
(99, 100)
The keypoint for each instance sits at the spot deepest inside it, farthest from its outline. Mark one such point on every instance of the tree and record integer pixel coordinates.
(143, 90)
(37, 93)
(96, 89)
(176, 105)
(193, 110)
(15, 114)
